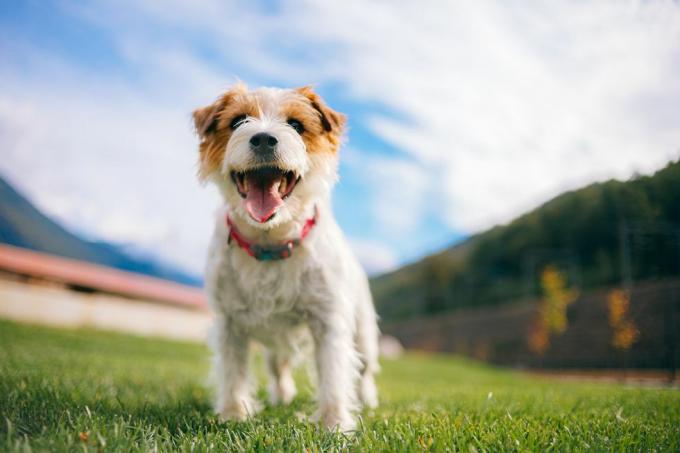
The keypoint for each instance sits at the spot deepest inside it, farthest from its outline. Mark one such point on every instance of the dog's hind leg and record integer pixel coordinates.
(281, 383)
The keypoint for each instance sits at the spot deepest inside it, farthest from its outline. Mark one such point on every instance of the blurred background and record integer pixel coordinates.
(510, 179)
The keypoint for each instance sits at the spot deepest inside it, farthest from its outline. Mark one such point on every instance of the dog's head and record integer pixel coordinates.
(270, 151)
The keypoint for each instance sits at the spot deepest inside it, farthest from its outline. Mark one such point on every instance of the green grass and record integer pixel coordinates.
(87, 390)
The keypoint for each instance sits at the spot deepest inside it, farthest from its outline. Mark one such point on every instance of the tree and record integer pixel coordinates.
(552, 312)
(624, 330)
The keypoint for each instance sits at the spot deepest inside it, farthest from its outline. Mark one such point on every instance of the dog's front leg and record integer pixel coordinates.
(234, 393)
(337, 366)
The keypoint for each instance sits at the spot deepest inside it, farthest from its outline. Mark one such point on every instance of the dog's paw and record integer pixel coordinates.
(368, 392)
(238, 410)
(335, 419)
(283, 391)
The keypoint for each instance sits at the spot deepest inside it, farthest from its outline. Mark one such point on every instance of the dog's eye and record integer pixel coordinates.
(297, 125)
(237, 121)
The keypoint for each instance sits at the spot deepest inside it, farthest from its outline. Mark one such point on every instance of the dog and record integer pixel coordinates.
(279, 270)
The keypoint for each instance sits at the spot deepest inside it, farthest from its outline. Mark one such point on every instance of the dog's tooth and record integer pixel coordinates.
(283, 184)
(245, 184)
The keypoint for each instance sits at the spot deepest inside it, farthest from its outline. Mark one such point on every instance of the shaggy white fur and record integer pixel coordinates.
(319, 293)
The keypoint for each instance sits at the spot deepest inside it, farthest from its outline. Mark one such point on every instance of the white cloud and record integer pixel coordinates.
(499, 106)
(106, 160)
(374, 256)
(509, 104)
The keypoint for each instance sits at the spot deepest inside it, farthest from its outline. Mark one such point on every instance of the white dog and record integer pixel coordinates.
(279, 268)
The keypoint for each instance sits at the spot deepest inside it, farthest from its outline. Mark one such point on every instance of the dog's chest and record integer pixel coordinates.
(255, 292)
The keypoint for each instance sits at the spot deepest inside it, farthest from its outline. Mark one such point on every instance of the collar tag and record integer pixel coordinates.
(273, 253)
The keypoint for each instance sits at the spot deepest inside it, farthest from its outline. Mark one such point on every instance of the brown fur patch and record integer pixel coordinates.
(331, 123)
(213, 126)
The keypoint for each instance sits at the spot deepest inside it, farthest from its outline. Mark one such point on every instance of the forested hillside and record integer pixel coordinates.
(578, 231)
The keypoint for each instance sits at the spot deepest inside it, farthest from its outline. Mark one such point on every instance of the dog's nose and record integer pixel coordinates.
(263, 143)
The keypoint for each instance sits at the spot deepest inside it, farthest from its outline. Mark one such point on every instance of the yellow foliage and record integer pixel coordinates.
(618, 307)
(625, 336)
(557, 298)
(539, 339)
(552, 316)
(625, 331)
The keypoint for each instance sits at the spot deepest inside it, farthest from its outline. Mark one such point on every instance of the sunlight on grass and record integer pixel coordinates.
(64, 390)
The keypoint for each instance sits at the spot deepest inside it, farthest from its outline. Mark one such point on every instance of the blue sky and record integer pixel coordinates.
(460, 116)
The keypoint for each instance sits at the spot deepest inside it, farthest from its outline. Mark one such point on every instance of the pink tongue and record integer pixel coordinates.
(263, 199)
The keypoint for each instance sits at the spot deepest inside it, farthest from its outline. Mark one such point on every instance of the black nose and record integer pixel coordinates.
(263, 143)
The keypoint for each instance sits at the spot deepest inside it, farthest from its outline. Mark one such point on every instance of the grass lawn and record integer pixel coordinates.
(75, 390)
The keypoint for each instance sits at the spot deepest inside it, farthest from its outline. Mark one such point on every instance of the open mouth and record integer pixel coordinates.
(264, 190)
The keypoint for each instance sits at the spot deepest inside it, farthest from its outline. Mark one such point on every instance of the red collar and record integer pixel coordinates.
(270, 253)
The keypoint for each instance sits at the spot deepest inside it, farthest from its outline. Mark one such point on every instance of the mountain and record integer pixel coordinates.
(580, 232)
(23, 225)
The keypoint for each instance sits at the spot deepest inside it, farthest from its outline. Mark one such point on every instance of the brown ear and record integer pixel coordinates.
(332, 121)
(205, 119)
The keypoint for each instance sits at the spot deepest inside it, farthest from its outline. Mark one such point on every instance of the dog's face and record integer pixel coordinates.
(270, 151)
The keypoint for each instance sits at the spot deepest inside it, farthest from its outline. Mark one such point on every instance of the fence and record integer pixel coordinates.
(501, 334)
